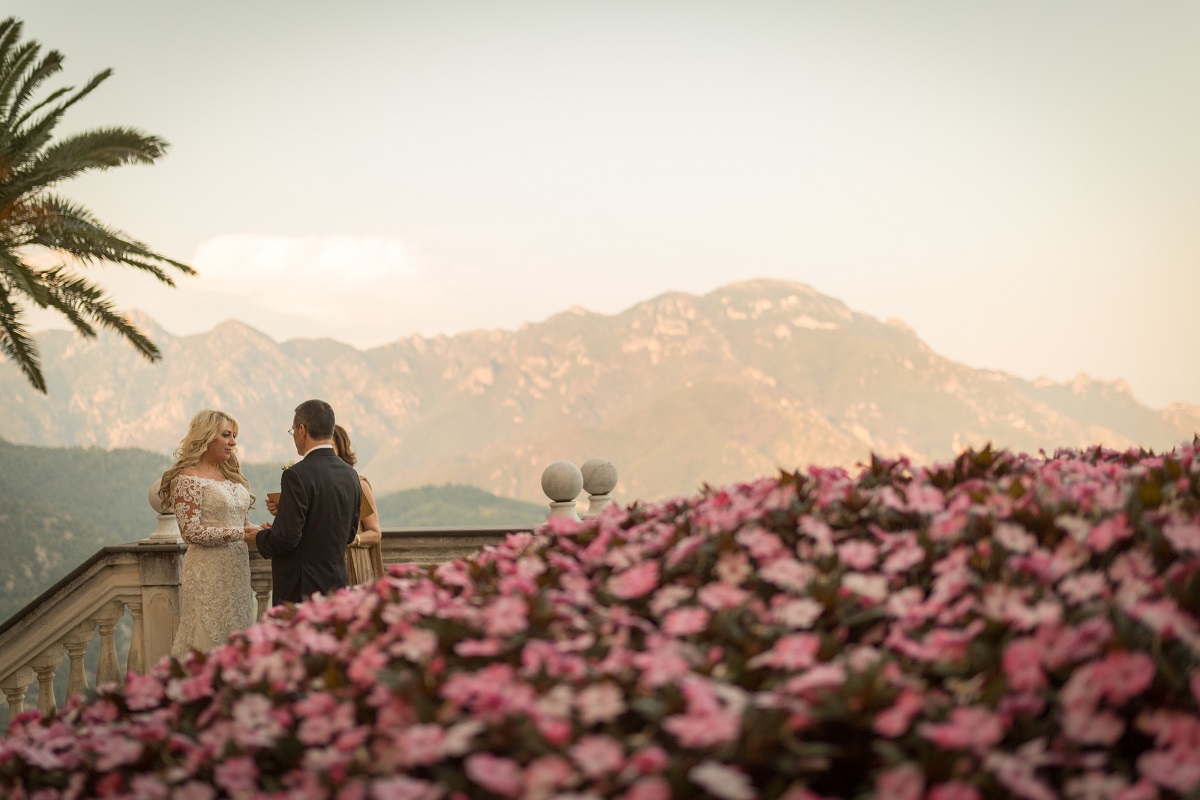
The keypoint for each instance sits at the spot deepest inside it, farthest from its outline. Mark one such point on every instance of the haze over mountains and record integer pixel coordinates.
(678, 391)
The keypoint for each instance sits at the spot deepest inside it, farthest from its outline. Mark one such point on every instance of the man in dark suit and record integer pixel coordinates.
(317, 516)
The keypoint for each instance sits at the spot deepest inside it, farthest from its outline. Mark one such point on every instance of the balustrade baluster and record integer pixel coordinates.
(260, 582)
(45, 665)
(136, 660)
(76, 644)
(15, 686)
(108, 670)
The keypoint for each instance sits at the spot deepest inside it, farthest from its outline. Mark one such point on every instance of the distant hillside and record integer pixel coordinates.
(677, 391)
(59, 506)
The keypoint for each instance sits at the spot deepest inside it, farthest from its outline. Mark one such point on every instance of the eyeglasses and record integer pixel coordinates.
(292, 430)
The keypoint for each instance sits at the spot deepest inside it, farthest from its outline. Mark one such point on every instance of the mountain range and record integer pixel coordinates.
(678, 391)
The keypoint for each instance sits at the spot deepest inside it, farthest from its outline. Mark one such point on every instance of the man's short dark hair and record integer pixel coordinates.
(317, 417)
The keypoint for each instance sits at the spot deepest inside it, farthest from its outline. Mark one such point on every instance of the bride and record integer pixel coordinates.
(211, 499)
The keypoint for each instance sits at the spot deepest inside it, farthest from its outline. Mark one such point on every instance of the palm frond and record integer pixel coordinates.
(79, 299)
(26, 143)
(16, 343)
(70, 227)
(99, 149)
(36, 107)
(12, 70)
(22, 278)
(32, 79)
(10, 33)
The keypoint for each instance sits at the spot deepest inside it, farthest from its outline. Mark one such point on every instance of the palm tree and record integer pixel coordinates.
(34, 221)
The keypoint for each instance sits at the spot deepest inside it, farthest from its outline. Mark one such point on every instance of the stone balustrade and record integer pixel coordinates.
(142, 580)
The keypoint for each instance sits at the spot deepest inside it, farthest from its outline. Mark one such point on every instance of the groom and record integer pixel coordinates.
(317, 517)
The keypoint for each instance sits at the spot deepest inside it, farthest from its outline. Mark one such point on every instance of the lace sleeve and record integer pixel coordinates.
(187, 494)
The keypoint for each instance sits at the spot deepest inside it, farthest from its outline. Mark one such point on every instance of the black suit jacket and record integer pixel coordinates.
(317, 517)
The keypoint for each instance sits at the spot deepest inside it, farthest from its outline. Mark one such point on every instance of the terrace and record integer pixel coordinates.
(140, 582)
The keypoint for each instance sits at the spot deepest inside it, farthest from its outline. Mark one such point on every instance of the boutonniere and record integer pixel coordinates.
(287, 466)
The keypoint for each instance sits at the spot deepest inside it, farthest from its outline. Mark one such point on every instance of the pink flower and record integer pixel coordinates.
(902, 782)
(703, 730)
(649, 760)
(1082, 587)
(600, 702)
(254, 723)
(895, 720)
(709, 721)
(1122, 675)
(506, 616)
(792, 652)
(1171, 769)
(733, 568)
(762, 545)
(194, 790)
(858, 554)
(652, 788)
(402, 787)
(1062, 646)
(598, 755)
(1104, 534)
(1173, 763)
(479, 648)
(801, 613)
(237, 775)
(498, 775)
(1184, 535)
(545, 774)
(871, 587)
(142, 691)
(686, 621)
(970, 728)
(635, 582)
(721, 596)
(954, 790)
(723, 781)
(669, 597)
(1013, 537)
(1016, 773)
(924, 499)
(661, 664)
(420, 745)
(556, 732)
(819, 676)
(787, 573)
(1022, 665)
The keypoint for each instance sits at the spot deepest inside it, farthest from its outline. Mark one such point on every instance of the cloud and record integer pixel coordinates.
(305, 275)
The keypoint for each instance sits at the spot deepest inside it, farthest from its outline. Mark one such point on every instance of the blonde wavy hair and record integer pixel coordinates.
(204, 427)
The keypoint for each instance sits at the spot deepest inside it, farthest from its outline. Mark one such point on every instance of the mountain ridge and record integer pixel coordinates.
(678, 390)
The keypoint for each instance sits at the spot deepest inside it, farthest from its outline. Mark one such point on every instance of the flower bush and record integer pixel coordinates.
(997, 626)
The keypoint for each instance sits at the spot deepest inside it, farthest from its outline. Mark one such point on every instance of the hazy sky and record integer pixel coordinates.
(1018, 181)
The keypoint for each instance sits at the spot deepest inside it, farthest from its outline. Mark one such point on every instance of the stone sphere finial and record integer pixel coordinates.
(167, 530)
(562, 481)
(599, 476)
(155, 502)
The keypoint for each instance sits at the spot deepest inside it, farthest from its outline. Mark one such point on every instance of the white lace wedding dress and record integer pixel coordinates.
(217, 598)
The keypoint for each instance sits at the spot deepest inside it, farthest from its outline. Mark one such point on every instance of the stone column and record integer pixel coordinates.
(160, 568)
(160, 565)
